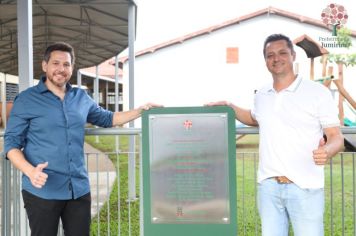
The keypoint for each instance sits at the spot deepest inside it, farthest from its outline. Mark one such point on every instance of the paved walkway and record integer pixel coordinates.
(102, 175)
(101, 172)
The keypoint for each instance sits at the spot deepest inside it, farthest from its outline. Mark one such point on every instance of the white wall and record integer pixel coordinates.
(195, 72)
(9, 78)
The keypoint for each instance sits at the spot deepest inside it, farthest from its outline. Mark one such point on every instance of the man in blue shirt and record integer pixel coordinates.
(44, 139)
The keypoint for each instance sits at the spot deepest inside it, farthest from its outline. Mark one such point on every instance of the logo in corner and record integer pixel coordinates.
(334, 15)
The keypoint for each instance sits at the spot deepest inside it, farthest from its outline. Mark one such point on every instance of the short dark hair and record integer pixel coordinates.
(59, 46)
(276, 37)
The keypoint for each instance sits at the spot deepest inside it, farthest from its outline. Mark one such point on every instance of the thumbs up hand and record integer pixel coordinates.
(38, 177)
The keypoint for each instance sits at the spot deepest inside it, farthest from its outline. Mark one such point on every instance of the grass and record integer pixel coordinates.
(337, 204)
(119, 220)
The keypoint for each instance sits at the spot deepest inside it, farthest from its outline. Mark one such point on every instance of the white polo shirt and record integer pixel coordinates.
(291, 123)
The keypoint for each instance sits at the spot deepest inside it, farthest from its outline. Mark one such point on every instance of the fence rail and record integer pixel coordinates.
(116, 209)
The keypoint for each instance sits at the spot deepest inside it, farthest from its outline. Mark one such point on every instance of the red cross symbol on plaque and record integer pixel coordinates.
(188, 124)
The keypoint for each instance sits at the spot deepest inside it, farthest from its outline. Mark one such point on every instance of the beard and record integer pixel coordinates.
(58, 83)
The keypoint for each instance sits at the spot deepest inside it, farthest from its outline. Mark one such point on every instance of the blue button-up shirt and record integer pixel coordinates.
(51, 130)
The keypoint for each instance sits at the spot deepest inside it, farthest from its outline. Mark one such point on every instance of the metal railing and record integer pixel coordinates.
(116, 212)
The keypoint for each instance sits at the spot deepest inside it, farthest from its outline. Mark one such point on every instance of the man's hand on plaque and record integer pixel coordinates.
(148, 106)
(219, 103)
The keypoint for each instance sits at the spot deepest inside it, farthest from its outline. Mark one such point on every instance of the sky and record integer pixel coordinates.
(162, 20)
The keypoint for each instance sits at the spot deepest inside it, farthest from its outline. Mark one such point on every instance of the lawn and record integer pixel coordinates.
(337, 204)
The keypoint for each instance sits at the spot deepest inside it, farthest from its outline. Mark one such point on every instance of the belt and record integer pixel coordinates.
(282, 180)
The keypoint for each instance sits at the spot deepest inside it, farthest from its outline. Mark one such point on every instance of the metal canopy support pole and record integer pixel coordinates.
(96, 92)
(96, 85)
(117, 140)
(116, 83)
(6, 197)
(3, 100)
(25, 45)
(5, 177)
(132, 161)
(106, 95)
(79, 79)
(25, 72)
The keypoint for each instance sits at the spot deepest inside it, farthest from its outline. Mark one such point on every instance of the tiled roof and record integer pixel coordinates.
(105, 69)
(208, 30)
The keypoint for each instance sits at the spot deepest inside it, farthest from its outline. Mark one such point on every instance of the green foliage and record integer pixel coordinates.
(346, 59)
(343, 38)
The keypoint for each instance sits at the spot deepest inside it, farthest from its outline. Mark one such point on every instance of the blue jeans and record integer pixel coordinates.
(279, 203)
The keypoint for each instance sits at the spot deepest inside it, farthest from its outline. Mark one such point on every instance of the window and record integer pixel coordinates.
(232, 55)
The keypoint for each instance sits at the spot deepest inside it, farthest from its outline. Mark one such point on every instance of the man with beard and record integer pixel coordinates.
(44, 139)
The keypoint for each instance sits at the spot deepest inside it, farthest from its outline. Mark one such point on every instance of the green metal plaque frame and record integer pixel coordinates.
(198, 226)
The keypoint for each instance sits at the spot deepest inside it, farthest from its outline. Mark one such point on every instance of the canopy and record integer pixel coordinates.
(97, 29)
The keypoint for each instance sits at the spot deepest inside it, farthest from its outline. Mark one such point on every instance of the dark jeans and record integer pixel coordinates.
(44, 215)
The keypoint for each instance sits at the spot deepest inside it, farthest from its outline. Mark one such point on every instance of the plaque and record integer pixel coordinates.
(189, 171)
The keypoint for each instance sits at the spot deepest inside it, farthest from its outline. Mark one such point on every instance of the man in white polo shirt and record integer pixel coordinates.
(292, 114)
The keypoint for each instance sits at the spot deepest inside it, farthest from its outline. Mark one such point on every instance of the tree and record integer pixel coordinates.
(343, 38)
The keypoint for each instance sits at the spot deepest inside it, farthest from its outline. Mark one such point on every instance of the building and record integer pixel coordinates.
(224, 61)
